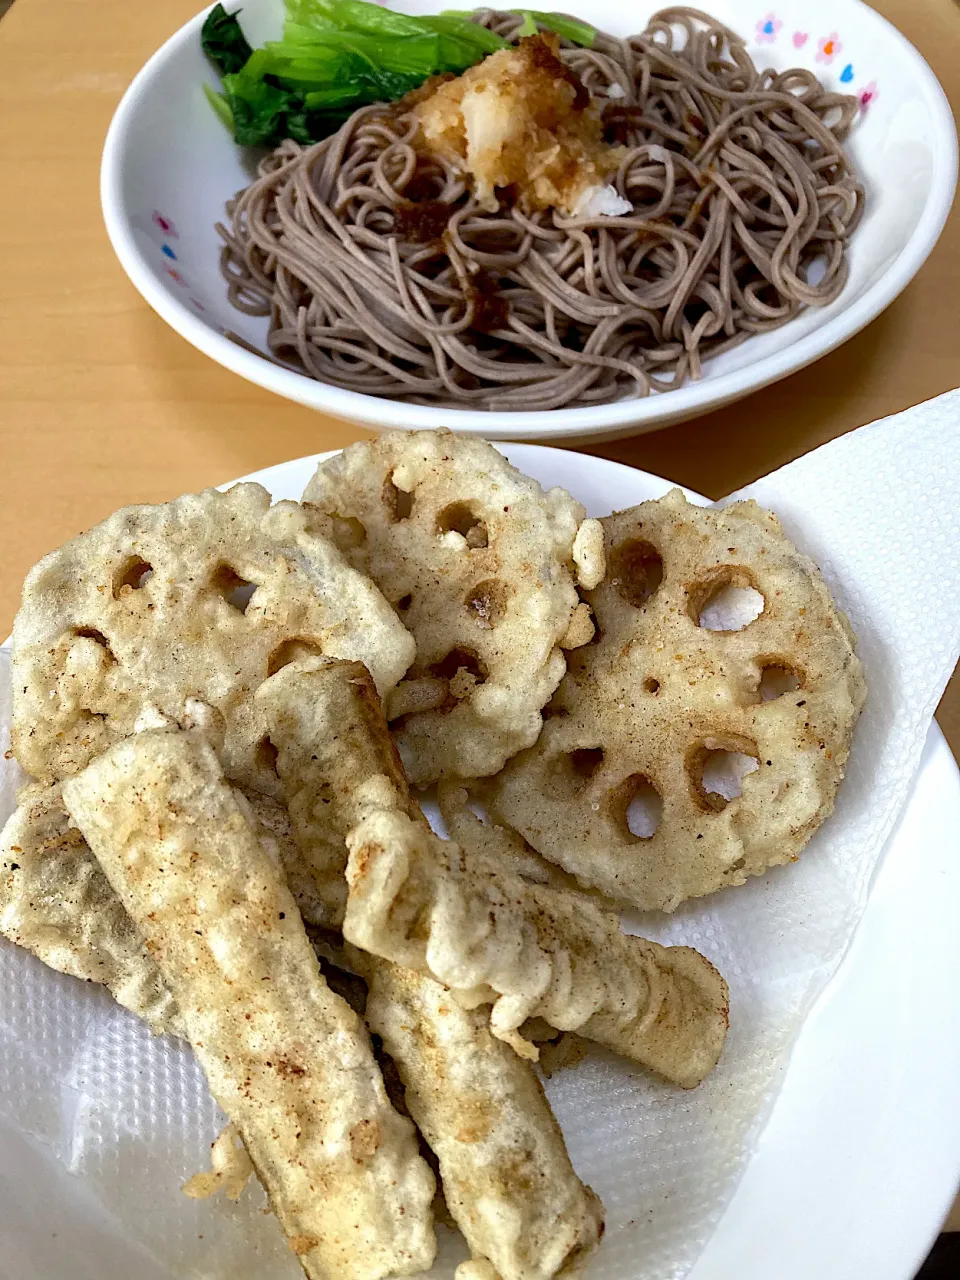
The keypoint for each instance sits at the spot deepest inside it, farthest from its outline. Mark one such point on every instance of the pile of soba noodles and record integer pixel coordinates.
(743, 202)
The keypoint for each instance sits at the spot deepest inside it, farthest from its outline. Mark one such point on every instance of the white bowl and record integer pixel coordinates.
(169, 166)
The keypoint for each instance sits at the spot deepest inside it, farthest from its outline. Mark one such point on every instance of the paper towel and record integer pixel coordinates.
(879, 510)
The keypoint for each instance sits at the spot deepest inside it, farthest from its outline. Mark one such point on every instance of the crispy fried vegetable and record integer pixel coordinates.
(288, 1061)
(177, 612)
(478, 561)
(506, 1174)
(677, 684)
(56, 902)
(507, 1178)
(531, 949)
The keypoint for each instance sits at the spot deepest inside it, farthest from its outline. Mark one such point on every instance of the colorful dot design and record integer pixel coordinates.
(768, 29)
(829, 48)
(168, 230)
(868, 94)
(166, 225)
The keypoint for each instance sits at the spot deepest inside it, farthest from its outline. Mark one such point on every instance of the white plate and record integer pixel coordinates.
(860, 1157)
(169, 166)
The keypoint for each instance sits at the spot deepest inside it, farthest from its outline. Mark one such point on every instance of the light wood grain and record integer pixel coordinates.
(101, 404)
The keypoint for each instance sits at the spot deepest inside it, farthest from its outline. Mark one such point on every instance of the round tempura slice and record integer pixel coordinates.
(481, 564)
(702, 737)
(178, 612)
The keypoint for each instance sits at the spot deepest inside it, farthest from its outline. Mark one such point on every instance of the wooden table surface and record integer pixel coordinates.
(101, 404)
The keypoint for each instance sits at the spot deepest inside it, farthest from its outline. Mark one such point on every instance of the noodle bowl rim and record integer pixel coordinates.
(618, 418)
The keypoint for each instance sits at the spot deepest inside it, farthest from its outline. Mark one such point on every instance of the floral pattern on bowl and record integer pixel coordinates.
(768, 28)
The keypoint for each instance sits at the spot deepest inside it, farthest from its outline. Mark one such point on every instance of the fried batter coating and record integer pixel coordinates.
(335, 760)
(508, 1183)
(179, 611)
(673, 686)
(531, 949)
(480, 564)
(288, 1061)
(56, 903)
(507, 1178)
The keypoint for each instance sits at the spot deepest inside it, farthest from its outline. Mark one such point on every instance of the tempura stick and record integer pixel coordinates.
(534, 950)
(507, 1177)
(336, 762)
(287, 1060)
(56, 903)
(506, 1174)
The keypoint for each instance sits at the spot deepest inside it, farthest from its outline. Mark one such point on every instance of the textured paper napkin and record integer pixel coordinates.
(879, 510)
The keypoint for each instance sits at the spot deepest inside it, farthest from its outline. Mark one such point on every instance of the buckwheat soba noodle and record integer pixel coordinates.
(743, 202)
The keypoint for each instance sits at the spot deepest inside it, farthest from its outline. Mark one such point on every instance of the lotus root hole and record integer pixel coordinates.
(636, 570)
(478, 809)
(91, 633)
(460, 517)
(776, 680)
(585, 761)
(487, 603)
(398, 502)
(717, 771)
(637, 806)
(131, 576)
(266, 755)
(728, 602)
(651, 685)
(289, 651)
(554, 710)
(234, 589)
(347, 532)
(462, 669)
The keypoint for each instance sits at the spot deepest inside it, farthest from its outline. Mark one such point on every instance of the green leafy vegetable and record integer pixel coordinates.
(223, 41)
(566, 27)
(335, 56)
(220, 105)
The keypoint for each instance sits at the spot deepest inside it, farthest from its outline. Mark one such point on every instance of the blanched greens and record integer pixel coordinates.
(337, 55)
(223, 41)
(562, 24)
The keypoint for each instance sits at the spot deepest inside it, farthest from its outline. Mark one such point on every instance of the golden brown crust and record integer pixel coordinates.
(56, 903)
(149, 615)
(287, 1060)
(533, 950)
(478, 561)
(335, 758)
(506, 1173)
(507, 1178)
(653, 699)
